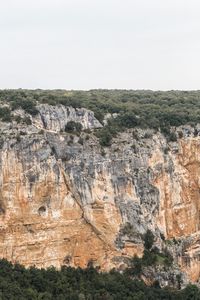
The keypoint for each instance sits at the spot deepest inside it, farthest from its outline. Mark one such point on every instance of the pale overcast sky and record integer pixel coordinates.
(86, 44)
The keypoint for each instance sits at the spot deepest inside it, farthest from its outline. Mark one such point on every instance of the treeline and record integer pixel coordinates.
(16, 282)
(151, 108)
(146, 109)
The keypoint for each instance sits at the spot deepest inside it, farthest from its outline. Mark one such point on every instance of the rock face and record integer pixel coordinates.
(55, 118)
(68, 202)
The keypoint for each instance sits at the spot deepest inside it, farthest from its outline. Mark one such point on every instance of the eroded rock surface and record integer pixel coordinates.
(66, 202)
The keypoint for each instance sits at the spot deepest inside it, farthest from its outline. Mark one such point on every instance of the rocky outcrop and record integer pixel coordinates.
(63, 201)
(55, 118)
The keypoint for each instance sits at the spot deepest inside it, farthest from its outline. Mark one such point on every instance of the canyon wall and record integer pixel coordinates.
(66, 201)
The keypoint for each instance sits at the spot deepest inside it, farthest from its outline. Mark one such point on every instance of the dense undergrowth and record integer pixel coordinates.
(145, 109)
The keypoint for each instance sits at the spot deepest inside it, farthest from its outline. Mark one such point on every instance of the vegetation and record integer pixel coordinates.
(148, 240)
(105, 137)
(146, 109)
(73, 127)
(152, 256)
(16, 282)
(5, 114)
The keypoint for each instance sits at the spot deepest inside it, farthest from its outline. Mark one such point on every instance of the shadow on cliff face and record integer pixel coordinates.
(2, 205)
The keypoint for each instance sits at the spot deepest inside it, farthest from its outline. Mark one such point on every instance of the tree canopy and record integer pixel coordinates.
(17, 282)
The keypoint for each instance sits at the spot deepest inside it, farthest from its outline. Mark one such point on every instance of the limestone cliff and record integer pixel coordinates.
(66, 201)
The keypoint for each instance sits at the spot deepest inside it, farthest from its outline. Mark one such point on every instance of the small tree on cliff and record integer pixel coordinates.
(148, 240)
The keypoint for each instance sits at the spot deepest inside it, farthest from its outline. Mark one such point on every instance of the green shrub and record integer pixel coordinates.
(27, 121)
(28, 105)
(5, 114)
(128, 120)
(73, 127)
(127, 229)
(136, 263)
(18, 119)
(172, 137)
(166, 150)
(148, 240)
(105, 137)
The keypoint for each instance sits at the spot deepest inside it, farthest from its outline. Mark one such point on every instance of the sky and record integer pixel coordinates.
(108, 44)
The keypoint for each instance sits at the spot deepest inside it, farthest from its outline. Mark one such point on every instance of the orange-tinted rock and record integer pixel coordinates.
(63, 203)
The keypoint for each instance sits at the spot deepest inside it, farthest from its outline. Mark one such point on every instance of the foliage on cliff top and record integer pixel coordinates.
(16, 282)
(146, 108)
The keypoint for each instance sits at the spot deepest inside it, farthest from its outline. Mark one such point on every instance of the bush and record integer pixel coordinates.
(28, 105)
(148, 240)
(172, 137)
(136, 263)
(73, 127)
(105, 137)
(27, 121)
(128, 120)
(127, 229)
(149, 258)
(5, 114)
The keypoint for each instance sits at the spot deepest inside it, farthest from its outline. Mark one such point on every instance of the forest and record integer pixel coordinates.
(69, 283)
(157, 110)
(19, 283)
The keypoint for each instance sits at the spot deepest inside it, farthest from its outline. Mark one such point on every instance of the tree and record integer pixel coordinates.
(148, 240)
(72, 126)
